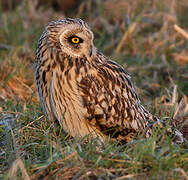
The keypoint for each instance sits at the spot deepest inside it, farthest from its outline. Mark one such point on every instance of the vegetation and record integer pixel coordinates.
(138, 34)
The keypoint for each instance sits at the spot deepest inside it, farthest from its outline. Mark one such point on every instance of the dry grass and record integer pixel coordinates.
(149, 38)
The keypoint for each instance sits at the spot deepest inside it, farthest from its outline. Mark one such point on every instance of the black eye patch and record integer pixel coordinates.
(75, 40)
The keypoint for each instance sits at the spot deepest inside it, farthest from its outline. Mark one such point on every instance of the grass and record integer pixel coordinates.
(153, 53)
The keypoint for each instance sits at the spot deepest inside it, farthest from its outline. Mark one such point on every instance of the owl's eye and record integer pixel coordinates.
(75, 40)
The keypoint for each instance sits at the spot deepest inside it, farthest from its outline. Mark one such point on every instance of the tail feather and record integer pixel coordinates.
(171, 128)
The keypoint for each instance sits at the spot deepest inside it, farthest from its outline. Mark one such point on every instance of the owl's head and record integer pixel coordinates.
(72, 36)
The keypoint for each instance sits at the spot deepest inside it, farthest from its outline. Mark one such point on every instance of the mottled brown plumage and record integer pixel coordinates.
(82, 89)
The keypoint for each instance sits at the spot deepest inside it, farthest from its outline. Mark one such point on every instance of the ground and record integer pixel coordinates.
(140, 35)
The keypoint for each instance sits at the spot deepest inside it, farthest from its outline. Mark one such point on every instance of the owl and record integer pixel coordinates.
(86, 92)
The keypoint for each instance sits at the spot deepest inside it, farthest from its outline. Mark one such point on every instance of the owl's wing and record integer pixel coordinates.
(111, 100)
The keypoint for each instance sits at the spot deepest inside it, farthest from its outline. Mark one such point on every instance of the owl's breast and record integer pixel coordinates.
(65, 99)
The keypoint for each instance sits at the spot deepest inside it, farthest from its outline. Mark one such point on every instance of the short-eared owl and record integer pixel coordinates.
(81, 88)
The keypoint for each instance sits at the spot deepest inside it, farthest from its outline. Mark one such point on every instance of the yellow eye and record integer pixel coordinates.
(75, 40)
